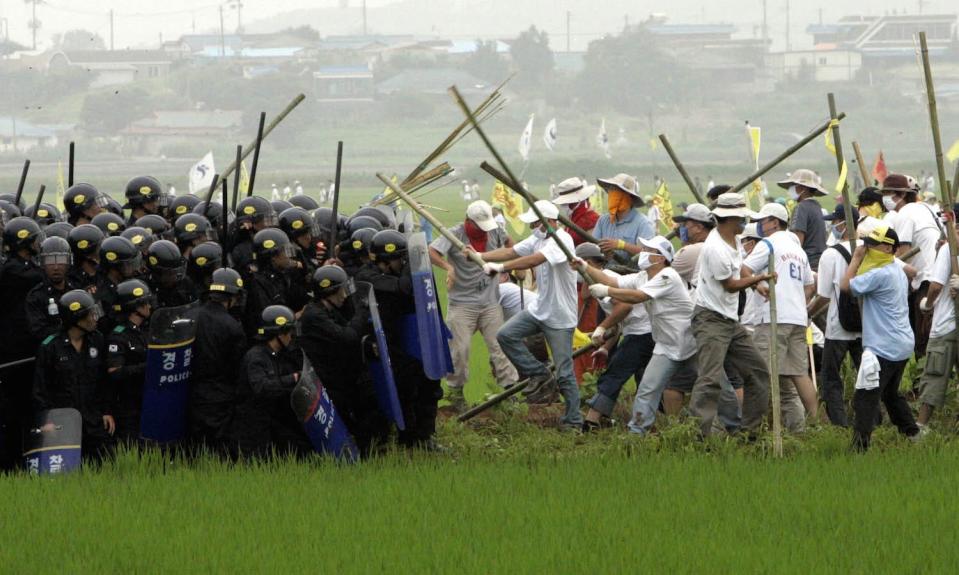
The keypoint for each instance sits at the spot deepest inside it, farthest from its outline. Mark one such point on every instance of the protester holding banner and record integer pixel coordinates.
(887, 339)
(553, 313)
(473, 297)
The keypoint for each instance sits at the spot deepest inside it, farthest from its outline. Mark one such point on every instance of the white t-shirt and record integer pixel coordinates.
(718, 261)
(832, 268)
(917, 225)
(654, 215)
(670, 311)
(510, 300)
(686, 263)
(753, 310)
(794, 273)
(637, 322)
(943, 313)
(555, 280)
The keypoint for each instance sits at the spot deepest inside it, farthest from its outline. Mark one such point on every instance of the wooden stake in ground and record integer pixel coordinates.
(774, 359)
(945, 189)
(842, 168)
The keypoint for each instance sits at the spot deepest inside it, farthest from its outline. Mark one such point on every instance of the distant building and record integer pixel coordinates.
(432, 82)
(17, 135)
(344, 84)
(815, 65)
(114, 67)
(152, 135)
(884, 39)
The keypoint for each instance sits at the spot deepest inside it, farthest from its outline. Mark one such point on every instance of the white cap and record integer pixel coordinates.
(546, 207)
(661, 245)
(772, 210)
(482, 215)
(750, 232)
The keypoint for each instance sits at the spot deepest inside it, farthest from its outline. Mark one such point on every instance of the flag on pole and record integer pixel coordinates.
(879, 171)
(549, 136)
(526, 140)
(953, 154)
(244, 180)
(511, 204)
(653, 143)
(602, 138)
(665, 204)
(755, 136)
(755, 191)
(201, 174)
(61, 186)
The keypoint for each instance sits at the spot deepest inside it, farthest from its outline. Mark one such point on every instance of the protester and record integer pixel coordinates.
(620, 229)
(589, 315)
(572, 196)
(887, 339)
(473, 297)
(804, 187)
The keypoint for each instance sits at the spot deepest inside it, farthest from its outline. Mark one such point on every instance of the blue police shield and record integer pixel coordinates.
(429, 342)
(322, 423)
(381, 370)
(53, 445)
(167, 386)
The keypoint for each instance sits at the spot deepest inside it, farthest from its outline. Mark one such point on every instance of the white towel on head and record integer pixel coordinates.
(868, 377)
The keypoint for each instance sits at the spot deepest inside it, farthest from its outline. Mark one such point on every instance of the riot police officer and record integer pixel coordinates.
(167, 274)
(83, 202)
(43, 317)
(85, 241)
(217, 355)
(191, 230)
(270, 283)
(332, 332)
(143, 194)
(204, 259)
(127, 356)
(119, 260)
(253, 214)
(71, 372)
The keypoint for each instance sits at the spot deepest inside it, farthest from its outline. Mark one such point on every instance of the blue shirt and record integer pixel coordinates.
(629, 228)
(885, 312)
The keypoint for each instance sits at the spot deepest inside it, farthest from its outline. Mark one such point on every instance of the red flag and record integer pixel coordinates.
(879, 171)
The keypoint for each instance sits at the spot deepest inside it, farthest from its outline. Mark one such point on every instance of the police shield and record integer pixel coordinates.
(167, 385)
(381, 370)
(404, 222)
(322, 423)
(425, 336)
(53, 444)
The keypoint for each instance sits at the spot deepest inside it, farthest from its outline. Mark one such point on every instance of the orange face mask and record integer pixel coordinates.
(619, 203)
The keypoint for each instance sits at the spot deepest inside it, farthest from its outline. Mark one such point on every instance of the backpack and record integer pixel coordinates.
(850, 317)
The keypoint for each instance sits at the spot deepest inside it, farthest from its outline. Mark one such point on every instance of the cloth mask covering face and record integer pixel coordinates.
(619, 204)
(889, 202)
(874, 259)
(477, 236)
(793, 193)
(539, 232)
(644, 263)
(872, 211)
(683, 234)
(837, 233)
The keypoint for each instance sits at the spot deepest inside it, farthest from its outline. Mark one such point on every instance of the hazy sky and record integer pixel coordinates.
(141, 22)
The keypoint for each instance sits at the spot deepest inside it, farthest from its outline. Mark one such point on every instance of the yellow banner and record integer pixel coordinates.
(953, 154)
(61, 186)
(754, 138)
(831, 146)
(511, 204)
(665, 204)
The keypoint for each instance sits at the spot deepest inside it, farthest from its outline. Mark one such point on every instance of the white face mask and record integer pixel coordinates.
(889, 203)
(540, 233)
(643, 262)
(793, 193)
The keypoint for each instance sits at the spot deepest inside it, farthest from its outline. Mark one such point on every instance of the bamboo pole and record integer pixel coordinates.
(862, 164)
(258, 143)
(774, 359)
(236, 181)
(680, 168)
(840, 162)
(789, 151)
(416, 207)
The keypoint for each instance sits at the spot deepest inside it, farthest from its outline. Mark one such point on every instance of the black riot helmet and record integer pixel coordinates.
(270, 242)
(383, 214)
(155, 223)
(226, 281)
(75, 305)
(305, 202)
(12, 199)
(255, 210)
(83, 200)
(191, 229)
(120, 253)
(109, 223)
(327, 280)
(113, 206)
(45, 215)
(22, 233)
(58, 229)
(142, 190)
(296, 221)
(55, 251)
(165, 261)
(275, 320)
(214, 214)
(132, 294)
(140, 237)
(208, 255)
(85, 241)
(10, 211)
(361, 240)
(388, 245)
(280, 206)
(360, 222)
(180, 206)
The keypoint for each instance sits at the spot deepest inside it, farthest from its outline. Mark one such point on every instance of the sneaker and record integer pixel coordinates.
(537, 383)
(454, 395)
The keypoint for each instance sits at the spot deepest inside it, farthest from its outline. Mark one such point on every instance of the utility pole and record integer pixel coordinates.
(111, 29)
(34, 23)
(222, 39)
(364, 18)
(788, 44)
(238, 5)
(765, 30)
(567, 32)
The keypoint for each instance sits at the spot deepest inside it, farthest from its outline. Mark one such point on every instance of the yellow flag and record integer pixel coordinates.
(665, 207)
(831, 146)
(653, 144)
(754, 139)
(387, 195)
(790, 206)
(953, 154)
(598, 201)
(511, 204)
(244, 180)
(61, 186)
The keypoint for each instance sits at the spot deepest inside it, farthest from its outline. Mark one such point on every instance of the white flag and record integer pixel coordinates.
(603, 139)
(549, 136)
(201, 174)
(526, 140)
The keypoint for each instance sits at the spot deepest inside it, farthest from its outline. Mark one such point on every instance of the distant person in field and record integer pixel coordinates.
(875, 276)
(803, 187)
(572, 197)
(473, 297)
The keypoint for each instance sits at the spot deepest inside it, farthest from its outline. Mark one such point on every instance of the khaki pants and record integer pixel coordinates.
(463, 322)
(793, 360)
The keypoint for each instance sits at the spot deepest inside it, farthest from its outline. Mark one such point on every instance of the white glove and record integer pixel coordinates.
(924, 304)
(598, 335)
(599, 291)
(954, 282)
(492, 268)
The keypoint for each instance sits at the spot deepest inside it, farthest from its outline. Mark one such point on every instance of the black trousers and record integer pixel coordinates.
(865, 403)
(830, 378)
(419, 397)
